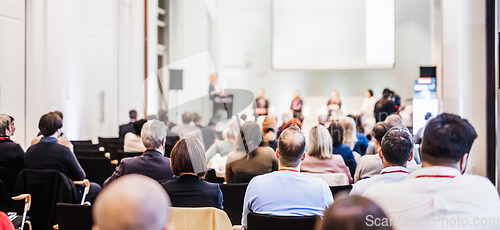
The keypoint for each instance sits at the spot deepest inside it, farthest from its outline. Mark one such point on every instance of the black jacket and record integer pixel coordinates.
(48, 154)
(124, 129)
(151, 163)
(190, 191)
(11, 155)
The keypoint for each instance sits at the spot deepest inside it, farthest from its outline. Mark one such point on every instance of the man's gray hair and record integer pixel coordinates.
(153, 132)
(291, 146)
(395, 120)
(4, 125)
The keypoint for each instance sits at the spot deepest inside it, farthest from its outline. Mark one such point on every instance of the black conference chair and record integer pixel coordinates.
(337, 189)
(81, 142)
(86, 147)
(9, 178)
(98, 169)
(20, 218)
(103, 141)
(47, 188)
(257, 221)
(212, 177)
(89, 153)
(74, 217)
(233, 194)
(242, 178)
(113, 149)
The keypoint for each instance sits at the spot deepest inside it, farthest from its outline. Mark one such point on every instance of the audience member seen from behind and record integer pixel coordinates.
(190, 190)
(224, 147)
(129, 127)
(370, 164)
(61, 139)
(362, 143)
(339, 147)
(395, 153)
(12, 154)
(185, 129)
(268, 132)
(132, 202)
(319, 157)
(251, 156)
(354, 213)
(48, 154)
(152, 162)
(208, 132)
(395, 120)
(440, 188)
(350, 134)
(287, 192)
(384, 107)
(133, 141)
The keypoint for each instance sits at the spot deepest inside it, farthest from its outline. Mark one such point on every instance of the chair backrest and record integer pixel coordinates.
(103, 140)
(113, 149)
(74, 216)
(97, 169)
(120, 155)
(233, 194)
(212, 177)
(3, 199)
(257, 221)
(81, 142)
(88, 153)
(86, 147)
(242, 178)
(198, 219)
(47, 188)
(9, 178)
(332, 179)
(337, 189)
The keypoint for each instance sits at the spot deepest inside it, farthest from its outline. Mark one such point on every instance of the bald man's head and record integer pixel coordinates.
(291, 146)
(132, 202)
(395, 120)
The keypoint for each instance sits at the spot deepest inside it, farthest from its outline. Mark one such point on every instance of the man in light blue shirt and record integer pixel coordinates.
(286, 192)
(396, 151)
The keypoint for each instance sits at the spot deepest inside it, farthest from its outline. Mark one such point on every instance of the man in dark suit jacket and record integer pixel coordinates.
(152, 162)
(124, 129)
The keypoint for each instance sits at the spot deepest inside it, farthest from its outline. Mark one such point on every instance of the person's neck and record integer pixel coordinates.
(455, 165)
(133, 120)
(387, 165)
(197, 123)
(296, 168)
(182, 174)
(159, 150)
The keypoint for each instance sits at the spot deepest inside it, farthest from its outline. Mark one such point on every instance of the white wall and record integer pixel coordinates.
(12, 56)
(76, 60)
(244, 56)
(464, 70)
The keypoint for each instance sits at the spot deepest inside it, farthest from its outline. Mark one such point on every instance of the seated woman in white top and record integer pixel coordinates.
(225, 146)
(319, 157)
(133, 142)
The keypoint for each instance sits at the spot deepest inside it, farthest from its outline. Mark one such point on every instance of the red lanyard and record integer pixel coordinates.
(293, 170)
(436, 176)
(4, 138)
(395, 171)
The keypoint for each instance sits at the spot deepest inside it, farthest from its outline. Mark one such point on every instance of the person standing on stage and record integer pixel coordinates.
(214, 87)
(261, 104)
(296, 106)
(384, 107)
(334, 104)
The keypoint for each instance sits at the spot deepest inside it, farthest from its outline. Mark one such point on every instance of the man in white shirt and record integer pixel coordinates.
(287, 192)
(440, 196)
(395, 153)
(185, 129)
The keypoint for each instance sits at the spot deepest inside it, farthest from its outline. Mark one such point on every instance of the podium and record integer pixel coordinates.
(223, 102)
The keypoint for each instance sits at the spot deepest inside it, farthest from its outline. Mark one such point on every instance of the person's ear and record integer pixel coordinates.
(303, 157)
(163, 141)
(277, 154)
(95, 227)
(166, 227)
(463, 162)
(8, 132)
(411, 157)
(380, 153)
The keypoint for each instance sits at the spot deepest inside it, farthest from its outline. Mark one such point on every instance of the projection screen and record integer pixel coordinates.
(333, 34)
